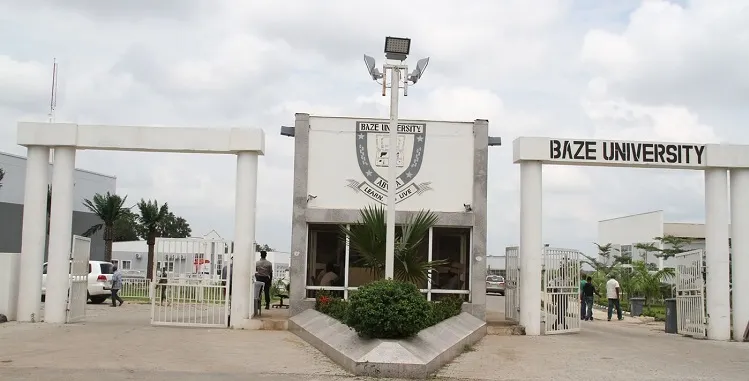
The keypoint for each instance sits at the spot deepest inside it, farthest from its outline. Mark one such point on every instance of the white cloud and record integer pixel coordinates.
(650, 70)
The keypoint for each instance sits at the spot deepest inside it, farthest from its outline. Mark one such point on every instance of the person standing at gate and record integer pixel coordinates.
(612, 293)
(582, 298)
(162, 282)
(588, 291)
(116, 286)
(264, 273)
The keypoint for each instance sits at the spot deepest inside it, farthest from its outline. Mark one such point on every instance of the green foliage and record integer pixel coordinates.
(388, 309)
(368, 237)
(259, 247)
(672, 245)
(2, 176)
(109, 208)
(151, 217)
(446, 308)
(608, 260)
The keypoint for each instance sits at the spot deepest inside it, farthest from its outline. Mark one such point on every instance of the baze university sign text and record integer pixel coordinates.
(372, 145)
(663, 154)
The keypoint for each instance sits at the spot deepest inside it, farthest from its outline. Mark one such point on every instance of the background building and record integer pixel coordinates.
(341, 166)
(87, 184)
(625, 232)
(495, 265)
(132, 258)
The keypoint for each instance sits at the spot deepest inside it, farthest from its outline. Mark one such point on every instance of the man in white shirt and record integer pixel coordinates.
(612, 293)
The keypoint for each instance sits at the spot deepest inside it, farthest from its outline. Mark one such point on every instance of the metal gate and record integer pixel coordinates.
(561, 291)
(188, 289)
(512, 280)
(690, 293)
(78, 286)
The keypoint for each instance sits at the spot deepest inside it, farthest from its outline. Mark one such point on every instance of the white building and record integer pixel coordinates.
(627, 231)
(86, 185)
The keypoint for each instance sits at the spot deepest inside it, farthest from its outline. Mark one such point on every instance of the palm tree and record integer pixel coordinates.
(109, 208)
(648, 284)
(150, 219)
(368, 238)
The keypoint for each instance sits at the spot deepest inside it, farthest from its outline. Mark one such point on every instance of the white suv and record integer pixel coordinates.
(99, 278)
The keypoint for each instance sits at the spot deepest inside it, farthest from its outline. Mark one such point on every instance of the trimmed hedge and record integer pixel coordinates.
(388, 309)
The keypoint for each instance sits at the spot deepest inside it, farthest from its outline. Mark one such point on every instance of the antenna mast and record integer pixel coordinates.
(53, 96)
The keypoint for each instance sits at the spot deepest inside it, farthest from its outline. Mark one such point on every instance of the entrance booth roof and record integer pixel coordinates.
(141, 138)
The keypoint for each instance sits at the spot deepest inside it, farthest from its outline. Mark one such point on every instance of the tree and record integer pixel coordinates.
(129, 229)
(672, 245)
(109, 208)
(608, 262)
(172, 227)
(126, 227)
(150, 219)
(259, 247)
(646, 283)
(648, 248)
(2, 175)
(368, 238)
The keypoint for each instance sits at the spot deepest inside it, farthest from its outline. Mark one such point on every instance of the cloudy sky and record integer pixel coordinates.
(625, 69)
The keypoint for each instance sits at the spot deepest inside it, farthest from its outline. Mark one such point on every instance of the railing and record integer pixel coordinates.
(135, 288)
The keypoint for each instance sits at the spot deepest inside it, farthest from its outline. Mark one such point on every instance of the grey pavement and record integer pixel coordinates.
(119, 344)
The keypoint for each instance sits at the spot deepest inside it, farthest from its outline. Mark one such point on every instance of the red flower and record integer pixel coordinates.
(324, 300)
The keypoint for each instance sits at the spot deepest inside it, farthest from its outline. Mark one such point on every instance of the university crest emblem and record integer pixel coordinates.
(372, 145)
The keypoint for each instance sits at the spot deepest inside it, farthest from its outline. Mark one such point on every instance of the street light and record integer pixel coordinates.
(396, 49)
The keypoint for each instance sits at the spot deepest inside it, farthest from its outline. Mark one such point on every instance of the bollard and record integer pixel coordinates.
(671, 316)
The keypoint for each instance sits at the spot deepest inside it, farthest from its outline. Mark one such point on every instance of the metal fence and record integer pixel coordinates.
(135, 288)
(190, 302)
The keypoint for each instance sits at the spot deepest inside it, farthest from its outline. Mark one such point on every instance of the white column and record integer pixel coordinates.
(244, 237)
(34, 235)
(392, 174)
(60, 236)
(740, 250)
(716, 255)
(530, 246)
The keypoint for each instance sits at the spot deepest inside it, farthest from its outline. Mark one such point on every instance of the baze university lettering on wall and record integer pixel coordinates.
(627, 152)
(372, 145)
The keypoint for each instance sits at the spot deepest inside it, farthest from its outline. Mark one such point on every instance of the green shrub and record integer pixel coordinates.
(388, 309)
(446, 308)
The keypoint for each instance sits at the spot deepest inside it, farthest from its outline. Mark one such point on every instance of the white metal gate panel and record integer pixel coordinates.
(561, 290)
(188, 289)
(78, 286)
(512, 280)
(690, 293)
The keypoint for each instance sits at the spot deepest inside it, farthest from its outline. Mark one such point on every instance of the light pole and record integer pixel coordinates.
(396, 49)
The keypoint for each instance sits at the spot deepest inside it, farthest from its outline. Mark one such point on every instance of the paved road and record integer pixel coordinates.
(119, 344)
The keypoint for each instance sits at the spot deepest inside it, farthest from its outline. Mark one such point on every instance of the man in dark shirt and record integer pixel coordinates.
(588, 291)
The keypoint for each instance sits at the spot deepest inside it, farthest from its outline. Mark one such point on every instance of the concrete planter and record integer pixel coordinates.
(417, 357)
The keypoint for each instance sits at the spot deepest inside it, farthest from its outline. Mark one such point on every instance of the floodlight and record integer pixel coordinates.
(371, 69)
(495, 141)
(421, 67)
(287, 131)
(397, 48)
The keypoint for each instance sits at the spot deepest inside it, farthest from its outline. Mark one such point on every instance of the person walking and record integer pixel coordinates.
(264, 273)
(116, 286)
(588, 291)
(613, 292)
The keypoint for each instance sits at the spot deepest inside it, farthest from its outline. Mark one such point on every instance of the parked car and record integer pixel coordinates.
(99, 280)
(495, 284)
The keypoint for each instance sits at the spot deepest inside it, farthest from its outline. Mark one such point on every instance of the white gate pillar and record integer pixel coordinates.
(717, 286)
(33, 237)
(530, 246)
(60, 236)
(740, 250)
(244, 238)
